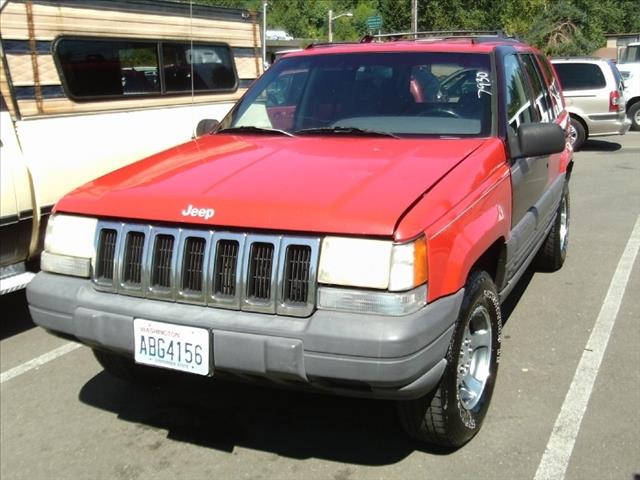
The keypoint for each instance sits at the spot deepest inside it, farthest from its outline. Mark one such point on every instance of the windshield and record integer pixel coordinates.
(399, 94)
(631, 54)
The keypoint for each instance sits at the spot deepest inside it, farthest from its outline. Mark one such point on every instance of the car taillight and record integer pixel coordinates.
(615, 103)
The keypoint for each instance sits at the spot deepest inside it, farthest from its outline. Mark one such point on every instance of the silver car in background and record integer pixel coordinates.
(593, 91)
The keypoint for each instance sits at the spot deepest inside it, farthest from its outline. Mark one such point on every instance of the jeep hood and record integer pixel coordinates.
(343, 185)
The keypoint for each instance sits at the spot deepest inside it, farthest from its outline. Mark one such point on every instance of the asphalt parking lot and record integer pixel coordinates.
(62, 417)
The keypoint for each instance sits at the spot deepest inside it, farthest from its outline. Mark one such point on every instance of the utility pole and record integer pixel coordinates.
(414, 17)
(332, 18)
(264, 34)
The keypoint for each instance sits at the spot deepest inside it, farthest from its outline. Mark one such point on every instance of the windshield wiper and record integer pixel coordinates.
(252, 129)
(345, 131)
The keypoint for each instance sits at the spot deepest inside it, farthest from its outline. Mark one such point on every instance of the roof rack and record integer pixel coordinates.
(364, 39)
(476, 36)
(327, 44)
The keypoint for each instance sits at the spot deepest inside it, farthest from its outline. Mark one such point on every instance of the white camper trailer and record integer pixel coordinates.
(88, 87)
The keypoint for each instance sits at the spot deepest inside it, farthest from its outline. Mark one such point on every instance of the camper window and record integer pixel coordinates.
(212, 67)
(98, 68)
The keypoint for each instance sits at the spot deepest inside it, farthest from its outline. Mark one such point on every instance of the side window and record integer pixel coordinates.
(580, 76)
(100, 68)
(519, 107)
(212, 67)
(542, 100)
(552, 82)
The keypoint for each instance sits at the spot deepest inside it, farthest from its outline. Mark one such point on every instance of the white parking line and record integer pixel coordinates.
(37, 362)
(555, 459)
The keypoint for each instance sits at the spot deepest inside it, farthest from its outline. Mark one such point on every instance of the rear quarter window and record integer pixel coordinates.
(616, 74)
(580, 76)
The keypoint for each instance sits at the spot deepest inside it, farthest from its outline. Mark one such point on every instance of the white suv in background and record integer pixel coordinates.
(629, 66)
(593, 91)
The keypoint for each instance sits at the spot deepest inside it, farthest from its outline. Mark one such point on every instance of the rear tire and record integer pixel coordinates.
(553, 251)
(578, 134)
(452, 414)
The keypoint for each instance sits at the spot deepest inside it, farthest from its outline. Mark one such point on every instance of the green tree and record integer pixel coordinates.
(611, 16)
(516, 16)
(560, 27)
(459, 14)
(396, 15)
(563, 29)
(354, 28)
(248, 4)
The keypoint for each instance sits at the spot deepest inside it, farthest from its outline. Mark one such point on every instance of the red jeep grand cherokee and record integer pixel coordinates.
(351, 226)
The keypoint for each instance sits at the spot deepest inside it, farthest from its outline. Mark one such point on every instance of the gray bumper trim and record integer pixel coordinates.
(391, 357)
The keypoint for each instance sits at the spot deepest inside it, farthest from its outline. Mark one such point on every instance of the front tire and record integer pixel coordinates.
(453, 414)
(553, 251)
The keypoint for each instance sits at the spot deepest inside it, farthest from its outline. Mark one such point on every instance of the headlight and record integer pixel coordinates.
(69, 245)
(373, 264)
(380, 264)
(355, 262)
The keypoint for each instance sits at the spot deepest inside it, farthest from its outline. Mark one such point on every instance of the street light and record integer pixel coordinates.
(332, 18)
(265, 4)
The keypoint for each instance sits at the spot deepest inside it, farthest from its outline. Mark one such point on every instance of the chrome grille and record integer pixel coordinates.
(241, 271)
(261, 265)
(192, 264)
(133, 250)
(226, 268)
(106, 253)
(296, 274)
(162, 257)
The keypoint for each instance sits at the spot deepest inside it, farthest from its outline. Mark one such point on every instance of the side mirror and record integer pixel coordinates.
(536, 139)
(206, 126)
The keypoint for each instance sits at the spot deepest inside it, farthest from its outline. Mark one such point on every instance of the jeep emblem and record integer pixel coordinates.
(192, 211)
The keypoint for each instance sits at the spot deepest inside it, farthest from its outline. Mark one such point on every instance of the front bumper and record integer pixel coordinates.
(345, 353)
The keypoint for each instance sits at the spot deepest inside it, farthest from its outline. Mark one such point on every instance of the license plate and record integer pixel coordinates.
(172, 346)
